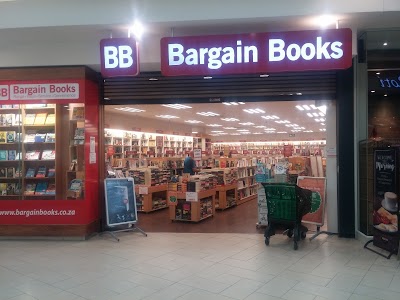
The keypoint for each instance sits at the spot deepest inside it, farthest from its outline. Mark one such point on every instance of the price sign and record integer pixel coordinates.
(192, 196)
(143, 190)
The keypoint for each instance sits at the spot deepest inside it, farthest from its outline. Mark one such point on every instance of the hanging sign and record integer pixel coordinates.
(119, 57)
(257, 52)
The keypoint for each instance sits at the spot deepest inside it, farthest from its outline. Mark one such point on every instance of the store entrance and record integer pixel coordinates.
(149, 142)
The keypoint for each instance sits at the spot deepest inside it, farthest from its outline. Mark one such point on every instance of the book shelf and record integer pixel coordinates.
(151, 198)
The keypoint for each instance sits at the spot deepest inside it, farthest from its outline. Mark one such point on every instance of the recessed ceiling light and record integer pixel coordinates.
(261, 126)
(176, 106)
(310, 115)
(282, 132)
(299, 107)
(246, 124)
(322, 129)
(323, 124)
(385, 44)
(283, 122)
(167, 117)
(254, 111)
(214, 125)
(326, 20)
(153, 79)
(216, 131)
(229, 119)
(235, 133)
(129, 109)
(258, 133)
(306, 107)
(372, 91)
(270, 129)
(385, 95)
(207, 77)
(195, 132)
(230, 128)
(270, 117)
(193, 121)
(317, 120)
(208, 114)
(243, 130)
(315, 114)
(313, 106)
(378, 73)
(264, 75)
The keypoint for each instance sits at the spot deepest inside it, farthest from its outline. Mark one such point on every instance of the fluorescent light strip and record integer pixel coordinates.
(193, 121)
(230, 128)
(281, 132)
(229, 119)
(254, 111)
(176, 106)
(167, 117)
(129, 109)
(299, 107)
(214, 125)
(257, 133)
(313, 106)
(246, 130)
(216, 131)
(246, 124)
(306, 107)
(233, 103)
(261, 126)
(208, 114)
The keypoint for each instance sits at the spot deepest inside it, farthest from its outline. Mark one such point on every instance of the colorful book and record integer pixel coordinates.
(32, 155)
(19, 156)
(51, 189)
(42, 170)
(52, 172)
(41, 188)
(3, 172)
(40, 119)
(78, 113)
(48, 154)
(3, 189)
(40, 137)
(9, 119)
(30, 119)
(11, 189)
(50, 138)
(30, 189)
(30, 173)
(30, 136)
(12, 154)
(10, 172)
(50, 119)
(10, 136)
(18, 173)
(3, 136)
(17, 120)
(3, 155)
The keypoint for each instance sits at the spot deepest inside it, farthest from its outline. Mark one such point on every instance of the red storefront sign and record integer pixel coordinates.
(119, 57)
(257, 53)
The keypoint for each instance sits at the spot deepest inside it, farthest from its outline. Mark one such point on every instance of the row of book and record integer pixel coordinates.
(40, 172)
(39, 105)
(9, 137)
(37, 137)
(40, 188)
(10, 120)
(29, 155)
(40, 119)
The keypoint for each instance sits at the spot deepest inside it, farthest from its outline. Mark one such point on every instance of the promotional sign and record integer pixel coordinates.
(318, 187)
(197, 154)
(39, 90)
(119, 57)
(257, 52)
(120, 201)
(386, 207)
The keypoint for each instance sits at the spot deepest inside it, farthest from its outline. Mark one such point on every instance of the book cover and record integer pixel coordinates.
(50, 119)
(10, 136)
(3, 189)
(52, 172)
(50, 138)
(30, 173)
(17, 189)
(12, 154)
(3, 155)
(48, 154)
(10, 172)
(7, 106)
(42, 170)
(75, 185)
(3, 172)
(30, 136)
(18, 172)
(32, 155)
(19, 156)
(17, 120)
(30, 189)
(30, 119)
(41, 188)
(9, 119)
(51, 189)
(40, 137)
(3, 136)
(79, 134)
(78, 113)
(18, 137)
(11, 189)
(40, 119)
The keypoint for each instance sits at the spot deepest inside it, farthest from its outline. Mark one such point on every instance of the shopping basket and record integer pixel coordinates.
(287, 204)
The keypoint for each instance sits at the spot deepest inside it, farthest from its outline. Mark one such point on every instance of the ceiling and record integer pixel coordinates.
(277, 111)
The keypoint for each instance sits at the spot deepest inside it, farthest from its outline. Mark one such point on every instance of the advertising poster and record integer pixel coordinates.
(385, 214)
(318, 186)
(120, 201)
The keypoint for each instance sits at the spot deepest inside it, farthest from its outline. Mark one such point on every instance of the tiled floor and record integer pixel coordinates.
(211, 266)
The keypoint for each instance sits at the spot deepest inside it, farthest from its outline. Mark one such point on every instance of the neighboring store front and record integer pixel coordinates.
(200, 71)
(49, 152)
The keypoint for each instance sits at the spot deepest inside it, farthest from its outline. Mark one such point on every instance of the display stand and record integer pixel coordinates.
(120, 206)
(147, 198)
(198, 206)
(222, 196)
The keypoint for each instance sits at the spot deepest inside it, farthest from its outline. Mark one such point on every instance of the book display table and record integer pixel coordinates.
(151, 198)
(226, 196)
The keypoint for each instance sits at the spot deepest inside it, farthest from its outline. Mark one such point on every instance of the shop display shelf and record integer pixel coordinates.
(246, 199)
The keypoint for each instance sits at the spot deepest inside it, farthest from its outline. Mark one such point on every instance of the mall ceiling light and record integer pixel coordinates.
(207, 77)
(243, 130)
(254, 111)
(282, 132)
(176, 106)
(270, 117)
(322, 129)
(385, 44)
(306, 107)
(325, 21)
(233, 103)
(129, 109)
(258, 133)
(310, 115)
(299, 94)
(193, 121)
(283, 122)
(318, 120)
(261, 126)
(246, 124)
(208, 114)
(229, 119)
(167, 117)
(313, 106)
(270, 129)
(216, 131)
(214, 125)
(235, 134)
(230, 128)
(315, 114)
(136, 29)
(299, 107)
(195, 132)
